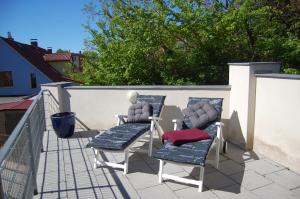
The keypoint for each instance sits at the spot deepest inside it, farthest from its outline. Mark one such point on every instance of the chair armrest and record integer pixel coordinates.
(155, 118)
(177, 124)
(121, 118)
(221, 124)
(219, 129)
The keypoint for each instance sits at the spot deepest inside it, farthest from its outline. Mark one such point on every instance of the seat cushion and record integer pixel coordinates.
(200, 114)
(139, 112)
(119, 137)
(193, 153)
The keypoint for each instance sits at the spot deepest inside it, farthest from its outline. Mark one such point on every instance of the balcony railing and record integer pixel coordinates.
(19, 157)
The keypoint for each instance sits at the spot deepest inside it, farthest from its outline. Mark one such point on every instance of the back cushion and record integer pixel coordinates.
(200, 114)
(215, 102)
(156, 101)
(139, 112)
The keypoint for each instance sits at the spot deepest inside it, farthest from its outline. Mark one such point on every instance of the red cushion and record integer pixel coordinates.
(183, 136)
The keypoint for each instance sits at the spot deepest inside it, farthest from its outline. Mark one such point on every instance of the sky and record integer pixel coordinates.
(55, 23)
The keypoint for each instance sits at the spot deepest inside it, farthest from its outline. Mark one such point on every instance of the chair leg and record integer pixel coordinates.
(160, 172)
(95, 166)
(150, 144)
(224, 146)
(217, 156)
(126, 162)
(201, 178)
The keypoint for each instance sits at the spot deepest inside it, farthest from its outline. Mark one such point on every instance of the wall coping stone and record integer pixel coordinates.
(252, 63)
(279, 76)
(156, 87)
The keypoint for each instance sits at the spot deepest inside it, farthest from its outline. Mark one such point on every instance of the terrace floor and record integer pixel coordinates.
(65, 171)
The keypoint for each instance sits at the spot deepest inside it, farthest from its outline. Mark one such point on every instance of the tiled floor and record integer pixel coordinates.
(65, 171)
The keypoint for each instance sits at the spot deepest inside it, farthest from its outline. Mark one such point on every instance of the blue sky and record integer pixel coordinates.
(55, 23)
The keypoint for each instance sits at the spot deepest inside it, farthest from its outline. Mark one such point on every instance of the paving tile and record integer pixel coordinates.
(177, 185)
(286, 178)
(217, 180)
(169, 168)
(158, 191)
(87, 193)
(263, 167)
(149, 160)
(48, 196)
(136, 165)
(274, 191)
(193, 193)
(142, 180)
(211, 156)
(195, 171)
(250, 180)
(235, 191)
(229, 167)
(296, 192)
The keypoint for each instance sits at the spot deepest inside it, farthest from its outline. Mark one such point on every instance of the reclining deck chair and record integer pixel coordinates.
(193, 153)
(122, 137)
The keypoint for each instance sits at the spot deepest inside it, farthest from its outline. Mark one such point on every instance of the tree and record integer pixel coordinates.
(186, 42)
(62, 51)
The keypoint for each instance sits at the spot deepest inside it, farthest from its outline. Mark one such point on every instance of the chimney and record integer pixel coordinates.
(49, 50)
(34, 42)
(9, 36)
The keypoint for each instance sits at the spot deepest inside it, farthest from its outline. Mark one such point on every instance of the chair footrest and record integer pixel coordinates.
(183, 180)
(111, 164)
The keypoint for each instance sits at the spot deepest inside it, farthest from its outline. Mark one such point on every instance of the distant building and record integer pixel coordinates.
(64, 62)
(23, 68)
(10, 115)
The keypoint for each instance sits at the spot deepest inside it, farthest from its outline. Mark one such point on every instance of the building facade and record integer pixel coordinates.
(23, 68)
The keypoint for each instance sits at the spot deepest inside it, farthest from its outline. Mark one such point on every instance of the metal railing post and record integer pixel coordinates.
(32, 163)
(1, 187)
(43, 108)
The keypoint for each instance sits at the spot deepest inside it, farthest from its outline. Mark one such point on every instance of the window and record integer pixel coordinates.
(6, 79)
(33, 80)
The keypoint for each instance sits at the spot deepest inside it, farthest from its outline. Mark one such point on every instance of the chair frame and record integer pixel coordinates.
(218, 142)
(122, 119)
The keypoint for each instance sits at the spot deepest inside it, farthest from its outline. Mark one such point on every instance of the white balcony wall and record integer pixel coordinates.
(277, 117)
(242, 99)
(96, 106)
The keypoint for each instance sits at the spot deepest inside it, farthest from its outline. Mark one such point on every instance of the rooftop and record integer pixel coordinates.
(58, 57)
(64, 168)
(34, 55)
(65, 171)
(20, 105)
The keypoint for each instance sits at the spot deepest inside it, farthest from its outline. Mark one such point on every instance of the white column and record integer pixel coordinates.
(242, 99)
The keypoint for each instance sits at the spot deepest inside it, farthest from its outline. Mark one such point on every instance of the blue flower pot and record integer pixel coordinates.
(63, 124)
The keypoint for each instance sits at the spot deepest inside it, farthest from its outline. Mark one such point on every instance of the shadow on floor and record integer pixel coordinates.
(84, 134)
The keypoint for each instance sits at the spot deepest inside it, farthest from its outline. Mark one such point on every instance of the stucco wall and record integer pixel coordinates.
(277, 117)
(242, 99)
(96, 106)
(10, 60)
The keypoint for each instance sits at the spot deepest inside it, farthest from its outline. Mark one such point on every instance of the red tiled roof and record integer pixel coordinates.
(58, 57)
(35, 56)
(21, 105)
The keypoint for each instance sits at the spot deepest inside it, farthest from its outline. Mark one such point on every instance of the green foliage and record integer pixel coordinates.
(62, 51)
(186, 42)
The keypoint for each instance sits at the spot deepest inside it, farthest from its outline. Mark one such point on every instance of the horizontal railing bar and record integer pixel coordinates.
(16, 132)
